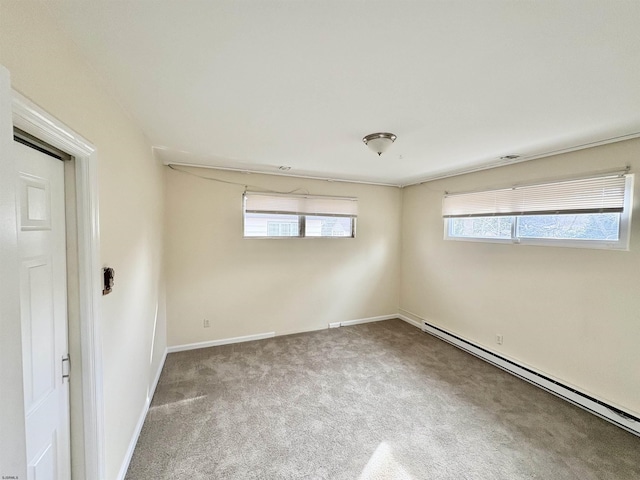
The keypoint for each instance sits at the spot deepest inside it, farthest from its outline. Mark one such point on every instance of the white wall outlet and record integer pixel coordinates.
(499, 339)
(206, 323)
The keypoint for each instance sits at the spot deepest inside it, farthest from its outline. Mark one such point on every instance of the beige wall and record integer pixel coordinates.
(571, 313)
(45, 67)
(252, 286)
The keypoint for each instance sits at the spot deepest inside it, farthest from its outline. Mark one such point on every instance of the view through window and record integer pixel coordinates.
(593, 212)
(268, 215)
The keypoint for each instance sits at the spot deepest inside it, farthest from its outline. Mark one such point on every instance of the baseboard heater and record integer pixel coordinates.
(608, 412)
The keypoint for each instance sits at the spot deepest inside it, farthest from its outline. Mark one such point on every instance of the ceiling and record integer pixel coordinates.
(259, 84)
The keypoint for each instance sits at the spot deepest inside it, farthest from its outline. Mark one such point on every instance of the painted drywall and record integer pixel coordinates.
(45, 67)
(252, 286)
(571, 313)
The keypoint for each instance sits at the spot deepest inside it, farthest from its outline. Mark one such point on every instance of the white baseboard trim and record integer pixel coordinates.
(410, 321)
(262, 336)
(624, 419)
(362, 320)
(217, 343)
(141, 419)
(152, 390)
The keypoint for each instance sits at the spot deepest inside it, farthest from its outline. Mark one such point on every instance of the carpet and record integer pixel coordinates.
(377, 401)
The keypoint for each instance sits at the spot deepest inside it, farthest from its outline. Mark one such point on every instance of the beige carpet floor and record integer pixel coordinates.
(378, 401)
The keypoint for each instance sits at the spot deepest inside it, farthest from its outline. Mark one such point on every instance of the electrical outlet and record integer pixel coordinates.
(499, 339)
(206, 323)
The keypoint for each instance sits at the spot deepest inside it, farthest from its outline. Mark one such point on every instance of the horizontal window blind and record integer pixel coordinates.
(255, 202)
(590, 195)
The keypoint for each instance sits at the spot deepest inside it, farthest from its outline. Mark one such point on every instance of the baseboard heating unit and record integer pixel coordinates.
(608, 412)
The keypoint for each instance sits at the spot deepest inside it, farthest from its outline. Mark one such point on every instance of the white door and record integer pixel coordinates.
(43, 302)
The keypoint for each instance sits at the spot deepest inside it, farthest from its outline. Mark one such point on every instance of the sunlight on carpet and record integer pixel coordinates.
(382, 466)
(178, 403)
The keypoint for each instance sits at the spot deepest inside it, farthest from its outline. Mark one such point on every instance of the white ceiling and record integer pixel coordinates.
(256, 84)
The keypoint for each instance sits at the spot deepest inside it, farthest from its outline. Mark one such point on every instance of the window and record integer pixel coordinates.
(269, 215)
(277, 228)
(591, 212)
(318, 226)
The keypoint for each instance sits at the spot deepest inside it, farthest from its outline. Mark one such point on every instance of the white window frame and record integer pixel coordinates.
(302, 217)
(621, 244)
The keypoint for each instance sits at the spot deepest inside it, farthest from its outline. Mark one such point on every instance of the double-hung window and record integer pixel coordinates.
(272, 215)
(589, 212)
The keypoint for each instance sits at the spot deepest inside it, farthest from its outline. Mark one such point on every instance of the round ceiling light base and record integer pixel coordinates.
(379, 142)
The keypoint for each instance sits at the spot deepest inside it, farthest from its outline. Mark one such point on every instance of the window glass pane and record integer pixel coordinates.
(328, 226)
(270, 225)
(591, 226)
(481, 227)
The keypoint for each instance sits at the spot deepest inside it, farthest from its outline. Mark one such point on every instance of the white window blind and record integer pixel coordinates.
(590, 195)
(273, 203)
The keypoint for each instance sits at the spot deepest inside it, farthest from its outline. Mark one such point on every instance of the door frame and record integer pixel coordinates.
(32, 119)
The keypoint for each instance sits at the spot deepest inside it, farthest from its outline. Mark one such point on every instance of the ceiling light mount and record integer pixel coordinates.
(379, 142)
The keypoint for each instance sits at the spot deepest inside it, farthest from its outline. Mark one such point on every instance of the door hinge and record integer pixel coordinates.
(66, 367)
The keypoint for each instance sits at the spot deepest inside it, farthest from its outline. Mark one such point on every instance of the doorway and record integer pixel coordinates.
(18, 111)
(43, 307)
